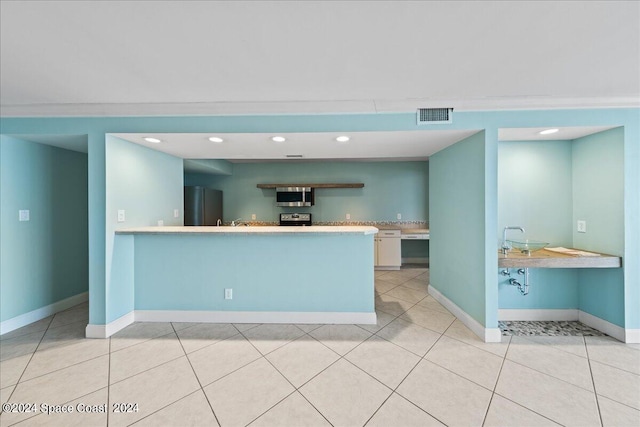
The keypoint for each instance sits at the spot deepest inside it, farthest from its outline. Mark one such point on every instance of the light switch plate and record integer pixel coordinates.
(176, 213)
(23, 215)
(582, 226)
(348, 216)
(228, 294)
(399, 216)
(253, 217)
(121, 215)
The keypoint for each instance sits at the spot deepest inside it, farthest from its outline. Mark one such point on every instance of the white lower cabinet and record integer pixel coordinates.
(386, 252)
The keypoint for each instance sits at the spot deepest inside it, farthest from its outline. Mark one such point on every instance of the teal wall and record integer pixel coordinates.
(490, 121)
(457, 224)
(535, 192)
(546, 186)
(389, 188)
(326, 272)
(598, 198)
(44, 260)
(147, 184)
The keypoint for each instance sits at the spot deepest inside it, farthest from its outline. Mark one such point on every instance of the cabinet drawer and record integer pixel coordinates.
(389, 233)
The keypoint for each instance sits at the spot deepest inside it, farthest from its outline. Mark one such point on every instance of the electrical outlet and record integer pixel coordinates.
(399, 216)
(160, 223)
(348, 216)
(253, 217)
(23, 215)
(582, 226)
(121, 215)
(176, 213)
(228, 294)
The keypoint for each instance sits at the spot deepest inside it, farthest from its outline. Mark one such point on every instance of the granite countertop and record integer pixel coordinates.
(242, 230)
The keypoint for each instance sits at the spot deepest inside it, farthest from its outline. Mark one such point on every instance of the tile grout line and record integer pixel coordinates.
(511, 400)
(30, 359)
(25, 369)
(295, 389)
(493, 392)
(394, 390)
(593, 382)
(194, 374)
(109, 384)
(550, 375)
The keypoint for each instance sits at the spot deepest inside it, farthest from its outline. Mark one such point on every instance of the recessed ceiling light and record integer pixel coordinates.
(154, 140)
(548, 131)
(342, 138)
(278, 139)
(216, 139)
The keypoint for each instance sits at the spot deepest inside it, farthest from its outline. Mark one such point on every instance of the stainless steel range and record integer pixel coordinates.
(295, 219)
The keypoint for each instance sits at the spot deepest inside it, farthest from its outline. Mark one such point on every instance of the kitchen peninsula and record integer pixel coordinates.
(271, 274)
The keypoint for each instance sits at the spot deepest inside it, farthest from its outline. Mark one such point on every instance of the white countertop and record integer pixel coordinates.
(189, 230)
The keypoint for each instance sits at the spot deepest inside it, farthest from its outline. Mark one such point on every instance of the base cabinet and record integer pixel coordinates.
(387, 250)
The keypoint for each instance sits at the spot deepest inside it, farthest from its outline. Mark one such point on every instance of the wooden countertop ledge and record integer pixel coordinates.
(550, 259)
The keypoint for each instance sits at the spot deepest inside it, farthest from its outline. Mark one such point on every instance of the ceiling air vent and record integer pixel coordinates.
(429, 116)
(293, 156)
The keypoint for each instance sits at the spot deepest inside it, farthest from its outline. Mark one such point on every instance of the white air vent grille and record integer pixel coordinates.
(428, 116)
(293, 156)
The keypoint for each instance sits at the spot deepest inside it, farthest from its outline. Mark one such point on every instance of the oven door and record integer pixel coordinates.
(294, 196)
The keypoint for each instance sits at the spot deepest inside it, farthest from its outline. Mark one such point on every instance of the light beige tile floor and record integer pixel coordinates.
(419, 366)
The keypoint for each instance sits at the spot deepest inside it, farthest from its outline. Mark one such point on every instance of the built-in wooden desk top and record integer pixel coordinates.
(550, 259)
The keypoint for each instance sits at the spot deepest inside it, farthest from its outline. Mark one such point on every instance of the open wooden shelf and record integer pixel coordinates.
(346, 185)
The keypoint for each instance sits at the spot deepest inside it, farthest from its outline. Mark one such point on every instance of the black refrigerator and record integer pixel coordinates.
(202, 206)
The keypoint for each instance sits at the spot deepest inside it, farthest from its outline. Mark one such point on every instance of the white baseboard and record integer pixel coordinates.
(256, 317)
(485, 334)
(105, 331)
(379, 268)
(602, 325)
(569, 314)
(632, 336)
(40, 313)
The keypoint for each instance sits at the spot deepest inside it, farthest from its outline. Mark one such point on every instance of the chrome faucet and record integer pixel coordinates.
(505, 245)
(235, 222)
(218, 222)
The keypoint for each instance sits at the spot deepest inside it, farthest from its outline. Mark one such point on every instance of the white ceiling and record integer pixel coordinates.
(563, 134)
(91, 58)
(247, 147)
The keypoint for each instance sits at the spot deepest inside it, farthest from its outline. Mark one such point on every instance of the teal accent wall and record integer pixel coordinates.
(389, 188)
(457, 224)
(324, 272)
(598, 191)
(147, 184)
(535, 192)
(598, 198)
(546, 187)
(490, 121)
(43, 260)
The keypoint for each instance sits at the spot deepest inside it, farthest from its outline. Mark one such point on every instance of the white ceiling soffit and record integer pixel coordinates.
(93, 58)
(563, 133)
(238, 147)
